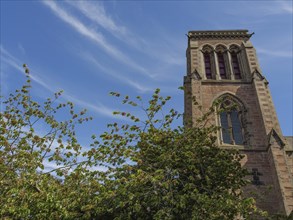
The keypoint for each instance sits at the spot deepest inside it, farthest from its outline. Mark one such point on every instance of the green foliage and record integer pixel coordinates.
(26, 188)
(145, 169)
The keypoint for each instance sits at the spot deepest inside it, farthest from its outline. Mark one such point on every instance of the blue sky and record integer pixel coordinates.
(89, 48)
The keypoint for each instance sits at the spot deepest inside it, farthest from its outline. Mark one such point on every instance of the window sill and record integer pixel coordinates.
(230, 81)
(230, 146)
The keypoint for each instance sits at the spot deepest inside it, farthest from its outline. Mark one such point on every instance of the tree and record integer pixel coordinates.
(150, 169)
(27, 190)
(157, 172)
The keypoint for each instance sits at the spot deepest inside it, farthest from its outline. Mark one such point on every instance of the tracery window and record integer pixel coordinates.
(231, 122)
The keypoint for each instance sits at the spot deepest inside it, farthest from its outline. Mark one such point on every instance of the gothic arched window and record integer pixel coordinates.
(208, 61)
(235, 52)
(208, 65)
(222, 61)
(231, 120)
(222, 68)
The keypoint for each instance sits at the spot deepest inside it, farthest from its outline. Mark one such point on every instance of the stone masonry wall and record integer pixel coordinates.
(267, 194)
(246, 93)
(265, 149)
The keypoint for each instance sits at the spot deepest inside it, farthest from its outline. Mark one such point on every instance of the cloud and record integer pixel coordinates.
(97, 14)
(260, 8)
(275, 53)
(108, 71)
(21, 48)
(94, 36)
(98, 107)
(50, 165)
(286, 6)
(277, 7)
(12, 61)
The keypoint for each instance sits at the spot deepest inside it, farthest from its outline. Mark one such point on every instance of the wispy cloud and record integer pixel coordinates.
(261, 8)
(275, 53)
(123, 79)
(277, 7)
(98, 108)
(286, 6)
(12, 61)
(94, 36)
(97, 14)
(21, 48)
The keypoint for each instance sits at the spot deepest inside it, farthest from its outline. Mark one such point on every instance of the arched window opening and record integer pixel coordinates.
(235, 51)
(230, 122)
(222, 68)
(222, 61)
(208, 66)
(235, 65)
(208, 55)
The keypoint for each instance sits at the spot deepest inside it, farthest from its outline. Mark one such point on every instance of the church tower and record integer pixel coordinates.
(222, 66)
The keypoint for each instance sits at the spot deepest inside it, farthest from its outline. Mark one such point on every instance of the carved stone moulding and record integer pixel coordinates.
(225, 34)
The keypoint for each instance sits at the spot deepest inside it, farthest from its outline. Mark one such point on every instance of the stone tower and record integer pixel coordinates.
(222, 66)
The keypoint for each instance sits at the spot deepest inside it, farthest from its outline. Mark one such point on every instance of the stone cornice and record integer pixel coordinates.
(223, 34)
